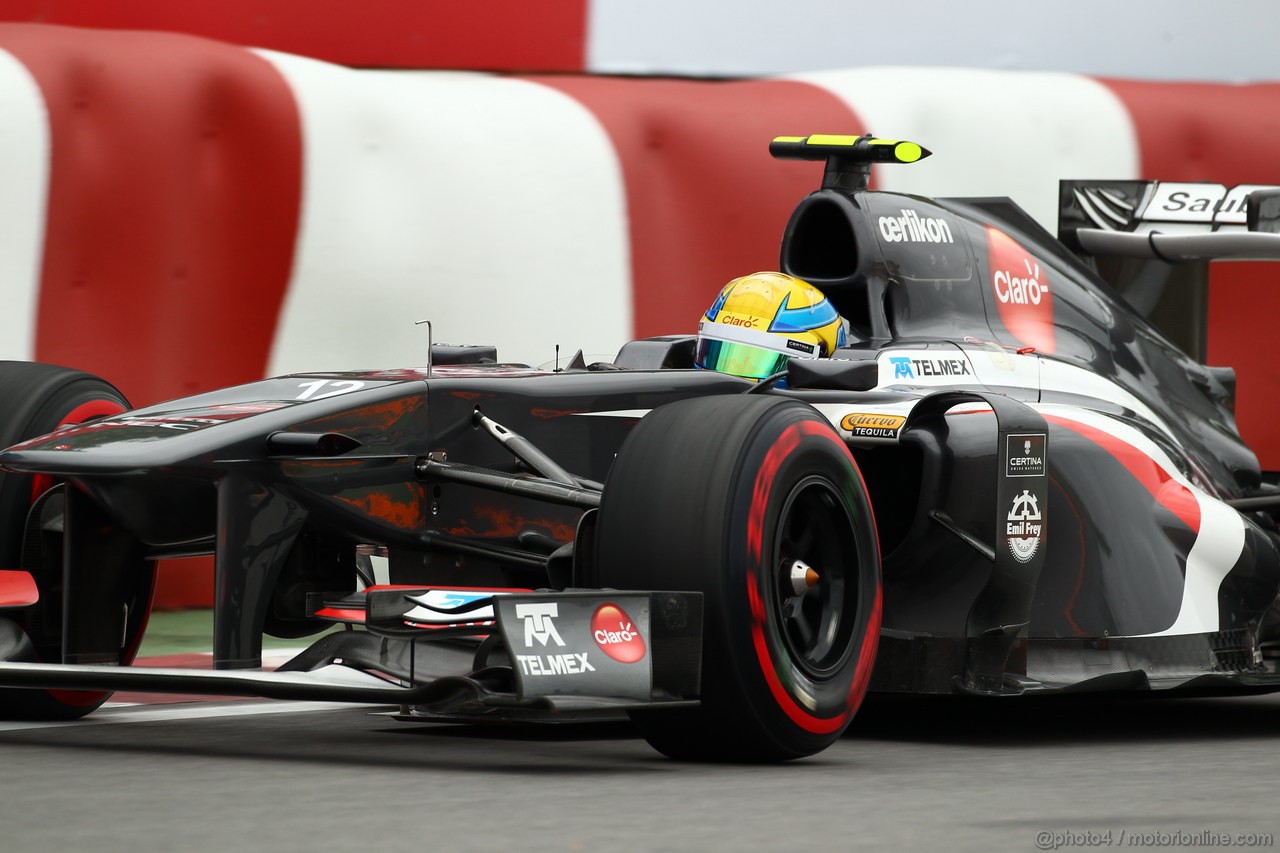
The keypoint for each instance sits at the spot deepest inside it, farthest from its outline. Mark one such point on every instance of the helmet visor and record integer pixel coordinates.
(739, 359)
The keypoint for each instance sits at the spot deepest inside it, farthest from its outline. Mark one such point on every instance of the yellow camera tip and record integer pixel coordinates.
(907, 152)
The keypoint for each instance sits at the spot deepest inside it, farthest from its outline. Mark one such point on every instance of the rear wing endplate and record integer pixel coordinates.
(1168, 221)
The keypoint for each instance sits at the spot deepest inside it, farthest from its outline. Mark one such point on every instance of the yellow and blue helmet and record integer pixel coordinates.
(761, 320)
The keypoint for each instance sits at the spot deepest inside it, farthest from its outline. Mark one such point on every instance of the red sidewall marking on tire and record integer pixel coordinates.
(41, 483)
(798, 715)
(763, 485)
(867, 655)
(787, 442)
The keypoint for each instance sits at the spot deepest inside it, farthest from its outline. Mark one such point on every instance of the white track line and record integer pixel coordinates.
(172, 713)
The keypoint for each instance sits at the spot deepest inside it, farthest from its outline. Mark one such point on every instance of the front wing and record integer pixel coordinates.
(527, 654)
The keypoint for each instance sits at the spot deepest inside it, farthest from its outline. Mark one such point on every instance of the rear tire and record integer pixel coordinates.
(723, 495)
(39, 399)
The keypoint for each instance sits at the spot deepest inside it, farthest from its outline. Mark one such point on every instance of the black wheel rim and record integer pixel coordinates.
(816, 625)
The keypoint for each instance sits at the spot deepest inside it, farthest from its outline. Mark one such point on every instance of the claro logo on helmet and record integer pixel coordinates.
(739, 320)
(911, 227)
(616, 635)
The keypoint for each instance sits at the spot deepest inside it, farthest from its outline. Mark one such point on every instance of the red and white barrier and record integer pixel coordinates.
(180, 214)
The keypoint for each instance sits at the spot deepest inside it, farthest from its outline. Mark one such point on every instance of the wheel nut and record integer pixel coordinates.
(802, 577)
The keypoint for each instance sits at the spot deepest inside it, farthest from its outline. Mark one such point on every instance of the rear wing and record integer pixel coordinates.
(1172, 222)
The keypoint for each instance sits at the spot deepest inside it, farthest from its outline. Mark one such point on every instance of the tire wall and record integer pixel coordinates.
(180, 213)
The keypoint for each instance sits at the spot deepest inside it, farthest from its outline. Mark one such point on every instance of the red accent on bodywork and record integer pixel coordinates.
(17, 589)
(402, 514)
(502, 523)
(380, 416)
(1167, 491)
(1022, 292)
(705, 202)
(341, 614)
(548, 414)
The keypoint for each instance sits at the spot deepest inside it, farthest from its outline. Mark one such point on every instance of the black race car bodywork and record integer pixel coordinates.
(1048, 496)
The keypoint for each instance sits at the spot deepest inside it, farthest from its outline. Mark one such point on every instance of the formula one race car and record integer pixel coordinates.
(1006, 482)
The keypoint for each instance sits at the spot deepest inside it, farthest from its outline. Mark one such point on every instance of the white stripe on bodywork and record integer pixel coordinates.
(24, 186)
(1217, 547)
(1071, 379)
(993, 133)
(493, 207)
(1000, 371)
(616, 413)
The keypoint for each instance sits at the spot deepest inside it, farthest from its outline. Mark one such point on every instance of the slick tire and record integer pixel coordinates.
(732, 497)
(40, 398)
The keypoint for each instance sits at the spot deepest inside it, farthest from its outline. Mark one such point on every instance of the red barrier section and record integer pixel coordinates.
(548, 35)
(705, 201)
(175, 178)
(1226, 134)
(174, 187)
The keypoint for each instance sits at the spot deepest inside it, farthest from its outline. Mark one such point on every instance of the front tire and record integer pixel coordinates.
(39, 399)
(734, 497)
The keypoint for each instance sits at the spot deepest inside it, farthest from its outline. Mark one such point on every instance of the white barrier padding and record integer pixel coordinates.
(493, 207)
(24, 182)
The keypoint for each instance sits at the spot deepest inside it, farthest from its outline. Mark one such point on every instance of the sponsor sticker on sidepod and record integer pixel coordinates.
(1024, 526)
(872, 424)
(925, 367)
(1024, 456)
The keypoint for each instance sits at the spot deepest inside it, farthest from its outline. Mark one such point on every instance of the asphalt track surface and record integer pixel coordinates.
(911, 775)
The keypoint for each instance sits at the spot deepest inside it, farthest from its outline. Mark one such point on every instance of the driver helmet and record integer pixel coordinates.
(761, 320)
